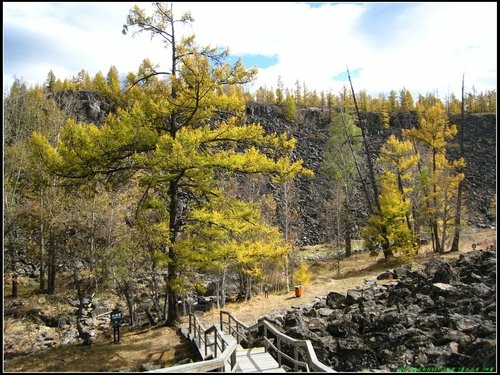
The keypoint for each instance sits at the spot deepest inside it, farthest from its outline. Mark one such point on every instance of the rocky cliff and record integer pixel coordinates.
(311, 131)
(314, 220)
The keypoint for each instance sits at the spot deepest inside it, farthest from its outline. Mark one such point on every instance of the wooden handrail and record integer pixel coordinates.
(219, 363)
(239, 331)
(202, 334)
(268, 344)
(243, 333)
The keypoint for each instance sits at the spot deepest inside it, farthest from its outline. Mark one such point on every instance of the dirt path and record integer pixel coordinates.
(353, 272)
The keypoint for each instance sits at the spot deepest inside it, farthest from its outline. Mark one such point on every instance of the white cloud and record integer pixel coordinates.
(424, 47)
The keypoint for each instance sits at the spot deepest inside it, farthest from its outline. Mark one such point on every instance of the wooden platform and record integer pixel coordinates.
(255, 360)
(247, 360)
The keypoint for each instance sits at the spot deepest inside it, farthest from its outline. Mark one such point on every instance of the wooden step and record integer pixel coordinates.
(210, 350)
(256, 360)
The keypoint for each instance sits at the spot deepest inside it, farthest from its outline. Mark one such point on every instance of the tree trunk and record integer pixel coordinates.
(92, 235)
(52, 267)
(171, 294)
(13, 268)
(371, 174)
(84, 335)
(155, 291)
(217, 293)
(434, 223)
(347, 225)
(249, 296)
(173, 193)
(130, 306)
(286, 230)
(456, 236)
(15, 285)
(356, 164)
(287, 272)
(223, 288)
(42, 246)
(435, 238)
(348, 242)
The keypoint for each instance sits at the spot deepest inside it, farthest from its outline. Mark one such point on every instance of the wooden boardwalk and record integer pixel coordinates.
(247, 360)
(255, 360)
(220, 351)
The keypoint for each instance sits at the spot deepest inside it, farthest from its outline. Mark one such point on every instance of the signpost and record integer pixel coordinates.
(116, 320)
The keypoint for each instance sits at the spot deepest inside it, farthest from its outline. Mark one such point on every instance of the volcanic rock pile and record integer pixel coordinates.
(441, 317)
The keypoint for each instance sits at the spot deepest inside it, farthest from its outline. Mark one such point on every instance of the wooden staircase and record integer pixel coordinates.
(221, 348)
(247, 360)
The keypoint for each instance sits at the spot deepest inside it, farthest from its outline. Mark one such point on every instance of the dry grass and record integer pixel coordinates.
(160, 345)
(326, 278)
(166, 345)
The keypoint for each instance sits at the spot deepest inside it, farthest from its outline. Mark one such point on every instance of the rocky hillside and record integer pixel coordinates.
(314, 220)
(311, 131)
(441, 317)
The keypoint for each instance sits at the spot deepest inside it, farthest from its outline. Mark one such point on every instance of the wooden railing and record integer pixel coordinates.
(275, 340)
(224, 352)
(261, 333)
(212, 337)
(217, 364)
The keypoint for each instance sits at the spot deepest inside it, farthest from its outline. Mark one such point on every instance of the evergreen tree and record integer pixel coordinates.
(168, 139)
(439, 175)
(50, 83)
(99, 82)
(280, 93)
(393, 101)
(298, 93)
(341, 166)
(260, 95)
(394, 219)
(290, 110)
(82, 81)
(406, 102)
(390, 222)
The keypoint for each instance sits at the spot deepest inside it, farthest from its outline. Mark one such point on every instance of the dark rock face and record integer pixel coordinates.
(311, 132)
(480, 171)
(314, 222)
(443, 316)
(83, 105)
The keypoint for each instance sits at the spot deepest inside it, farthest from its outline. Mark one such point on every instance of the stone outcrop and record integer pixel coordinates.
(57, 329)
(442, 315)
(84, 105)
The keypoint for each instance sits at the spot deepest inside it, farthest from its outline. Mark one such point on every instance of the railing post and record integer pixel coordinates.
(190, 324)
(206, 346)
(233, 360)
(199, 335)
(295, 356)
(278, 345)
(215, 343)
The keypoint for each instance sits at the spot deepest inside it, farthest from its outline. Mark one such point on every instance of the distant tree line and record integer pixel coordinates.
(402, 100)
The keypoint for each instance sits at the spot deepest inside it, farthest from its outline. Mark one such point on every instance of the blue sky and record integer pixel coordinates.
(424, 47)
